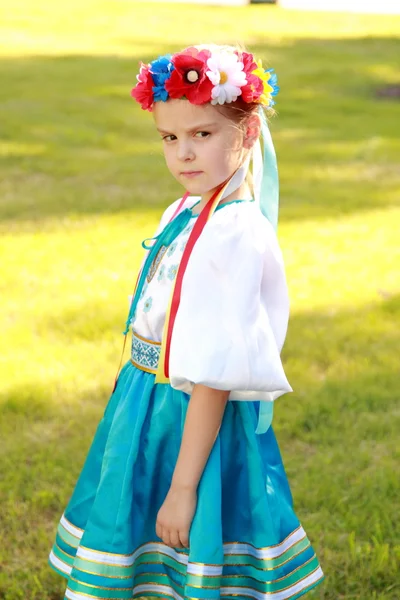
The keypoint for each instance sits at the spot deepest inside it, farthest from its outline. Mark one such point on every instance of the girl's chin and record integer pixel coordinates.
(196, 187)
(200, 190)
(195, 190)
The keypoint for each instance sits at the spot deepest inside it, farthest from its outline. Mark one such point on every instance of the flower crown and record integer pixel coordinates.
(202, 75)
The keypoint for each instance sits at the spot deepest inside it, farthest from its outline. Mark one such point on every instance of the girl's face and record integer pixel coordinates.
(202, 147)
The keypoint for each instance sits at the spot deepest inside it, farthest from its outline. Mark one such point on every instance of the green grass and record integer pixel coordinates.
(82, 182)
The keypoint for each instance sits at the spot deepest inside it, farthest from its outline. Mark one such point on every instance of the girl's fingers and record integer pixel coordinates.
(165, 536)
(158, 530)
(163, 533)
(175, 541)
(184, 539)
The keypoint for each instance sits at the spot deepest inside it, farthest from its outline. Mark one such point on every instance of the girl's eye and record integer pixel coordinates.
(202, 134)
(168, 138)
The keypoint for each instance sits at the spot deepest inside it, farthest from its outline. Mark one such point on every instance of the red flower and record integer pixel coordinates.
(253, 90)
(248, 61)
(254, 87)
(143, 92)
(189, 76)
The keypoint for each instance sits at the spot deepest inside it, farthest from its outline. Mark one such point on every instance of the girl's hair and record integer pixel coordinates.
(238, 112)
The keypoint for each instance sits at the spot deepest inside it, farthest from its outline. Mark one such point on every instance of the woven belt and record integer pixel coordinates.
(145, 353)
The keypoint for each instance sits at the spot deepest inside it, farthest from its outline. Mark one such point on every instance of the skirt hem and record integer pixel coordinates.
(52, 565)
(299, 594)
(154, 594)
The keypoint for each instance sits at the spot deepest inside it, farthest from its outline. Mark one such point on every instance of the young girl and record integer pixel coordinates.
(183, 493)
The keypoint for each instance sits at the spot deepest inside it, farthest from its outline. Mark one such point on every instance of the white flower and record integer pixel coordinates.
(227, 75)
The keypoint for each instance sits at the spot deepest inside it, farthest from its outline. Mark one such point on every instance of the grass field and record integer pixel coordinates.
(82, 182)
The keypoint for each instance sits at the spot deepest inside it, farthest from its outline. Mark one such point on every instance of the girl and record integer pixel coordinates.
(183, 493)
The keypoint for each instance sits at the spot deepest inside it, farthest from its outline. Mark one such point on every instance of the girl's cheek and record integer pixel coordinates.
(168, 159)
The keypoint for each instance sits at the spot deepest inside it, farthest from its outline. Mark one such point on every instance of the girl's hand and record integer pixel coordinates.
(175, 517)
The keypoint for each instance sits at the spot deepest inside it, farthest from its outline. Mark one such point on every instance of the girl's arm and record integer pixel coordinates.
(203, 421)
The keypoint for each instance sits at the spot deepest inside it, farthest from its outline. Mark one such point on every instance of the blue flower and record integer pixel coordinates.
(148, 304)
(172, 271)
(187, 229)
(161, 273)
(161, 70)
(172, 249)
(142, 293)
(273, 82)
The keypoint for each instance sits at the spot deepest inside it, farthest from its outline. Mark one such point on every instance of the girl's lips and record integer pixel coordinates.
(191, 173)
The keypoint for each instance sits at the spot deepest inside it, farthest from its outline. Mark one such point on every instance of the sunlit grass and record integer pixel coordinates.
(83, 181)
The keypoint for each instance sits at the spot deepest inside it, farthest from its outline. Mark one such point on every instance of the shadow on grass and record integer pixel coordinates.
(75, 143)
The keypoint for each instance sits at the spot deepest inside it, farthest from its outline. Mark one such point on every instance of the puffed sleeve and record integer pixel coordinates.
(234, 309)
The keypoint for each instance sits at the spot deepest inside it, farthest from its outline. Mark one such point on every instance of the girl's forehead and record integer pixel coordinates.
(181, 114)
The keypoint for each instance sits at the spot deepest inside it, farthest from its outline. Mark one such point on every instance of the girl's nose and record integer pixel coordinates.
(185, 151)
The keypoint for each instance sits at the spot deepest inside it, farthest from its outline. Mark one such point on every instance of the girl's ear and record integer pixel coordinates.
(252, 131)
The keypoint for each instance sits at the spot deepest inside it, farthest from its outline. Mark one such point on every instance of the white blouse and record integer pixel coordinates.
(232, 319)
(151, 309)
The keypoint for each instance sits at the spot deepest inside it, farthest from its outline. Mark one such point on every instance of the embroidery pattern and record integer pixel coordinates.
(172, 271)
(148, 304)
(142, 293)
(169, 251)
(172, 248)
(156, 263)
(145, 354)
(161, 273)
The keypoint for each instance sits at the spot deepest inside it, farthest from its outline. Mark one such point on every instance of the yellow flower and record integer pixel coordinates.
(264, 76)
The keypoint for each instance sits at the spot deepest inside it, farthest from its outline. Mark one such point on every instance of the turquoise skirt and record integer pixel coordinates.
(245, 540)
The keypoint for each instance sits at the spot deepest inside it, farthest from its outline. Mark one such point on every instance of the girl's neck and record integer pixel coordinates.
(241, 193)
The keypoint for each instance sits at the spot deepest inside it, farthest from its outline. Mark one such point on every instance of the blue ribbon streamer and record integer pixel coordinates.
(269, 193)
(265, 415)
(269, 205)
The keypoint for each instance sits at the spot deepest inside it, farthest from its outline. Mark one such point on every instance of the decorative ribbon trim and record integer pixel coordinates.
(250, 571)
(145, 353)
